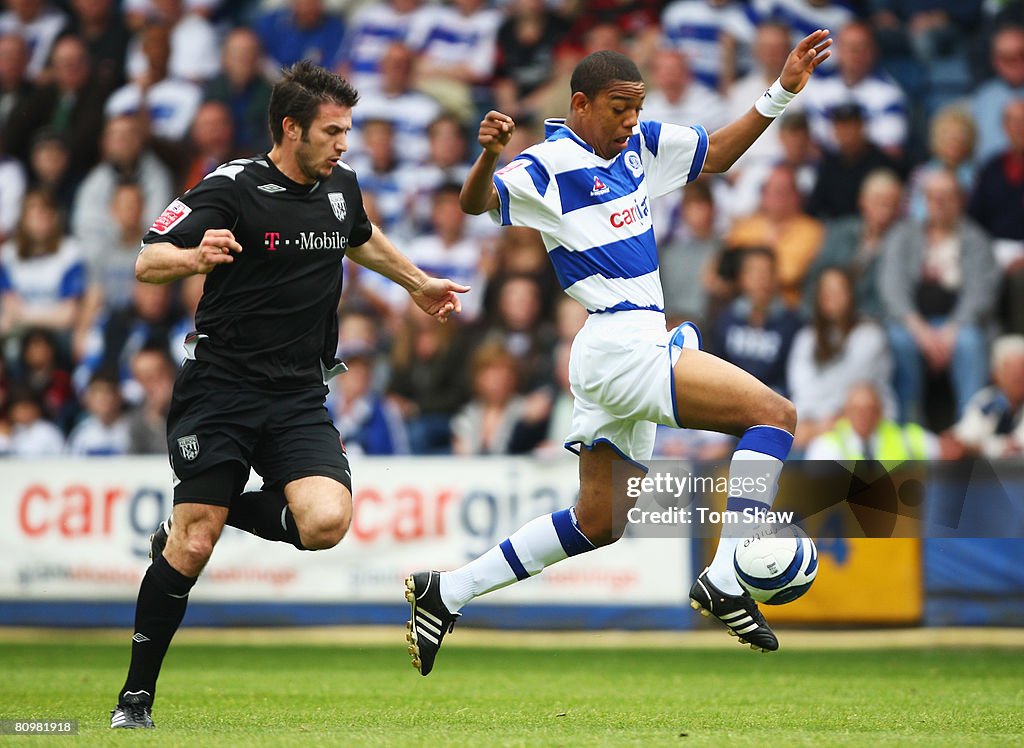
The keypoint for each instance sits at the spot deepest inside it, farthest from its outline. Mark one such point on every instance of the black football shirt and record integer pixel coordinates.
(270, 317)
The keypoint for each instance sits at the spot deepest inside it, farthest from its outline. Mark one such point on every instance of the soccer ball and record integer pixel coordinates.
(776, 567)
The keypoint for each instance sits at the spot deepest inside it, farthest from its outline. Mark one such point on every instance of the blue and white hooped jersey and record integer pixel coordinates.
(595, 214)
(45, 280)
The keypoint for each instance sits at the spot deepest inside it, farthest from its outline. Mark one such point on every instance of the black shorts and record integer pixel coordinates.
(284, 435)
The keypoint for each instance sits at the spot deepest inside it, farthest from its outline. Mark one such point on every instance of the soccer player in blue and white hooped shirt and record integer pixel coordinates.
(587, 189)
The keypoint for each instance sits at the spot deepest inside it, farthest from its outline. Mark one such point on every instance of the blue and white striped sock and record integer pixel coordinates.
(539, 543)
(759, 454)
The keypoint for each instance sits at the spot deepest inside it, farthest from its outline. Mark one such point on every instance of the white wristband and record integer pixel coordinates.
(773, 102)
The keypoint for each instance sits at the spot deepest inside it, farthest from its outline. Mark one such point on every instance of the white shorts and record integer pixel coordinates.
(620, 372)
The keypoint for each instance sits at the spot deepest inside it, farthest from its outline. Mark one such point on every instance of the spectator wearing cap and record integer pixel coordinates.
(859, 80)
(843, 169)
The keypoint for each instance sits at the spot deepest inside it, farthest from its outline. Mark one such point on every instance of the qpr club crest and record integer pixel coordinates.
(634, 164)
(189, 447)
(338, 205)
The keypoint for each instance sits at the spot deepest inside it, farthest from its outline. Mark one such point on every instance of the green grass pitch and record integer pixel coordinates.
(321, 694)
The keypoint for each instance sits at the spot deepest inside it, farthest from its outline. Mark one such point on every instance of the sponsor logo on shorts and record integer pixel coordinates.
(173, 214)
(189, 447)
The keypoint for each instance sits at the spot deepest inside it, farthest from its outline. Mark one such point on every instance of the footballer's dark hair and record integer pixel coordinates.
(598, 70)
(300, 92)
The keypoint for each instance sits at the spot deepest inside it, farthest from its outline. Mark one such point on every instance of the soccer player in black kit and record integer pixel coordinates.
(269, 233)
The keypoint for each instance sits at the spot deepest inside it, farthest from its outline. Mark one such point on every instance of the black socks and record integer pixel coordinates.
(265, 513)
(158, 613)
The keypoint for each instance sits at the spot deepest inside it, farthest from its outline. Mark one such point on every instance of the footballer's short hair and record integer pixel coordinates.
(600, 69)
(300, 92)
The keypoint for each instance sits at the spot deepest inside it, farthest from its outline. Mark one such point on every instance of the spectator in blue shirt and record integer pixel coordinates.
(301, 31)
(366, 421)
(756, 331)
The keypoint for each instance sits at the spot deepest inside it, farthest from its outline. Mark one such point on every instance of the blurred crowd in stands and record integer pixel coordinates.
(865, 257)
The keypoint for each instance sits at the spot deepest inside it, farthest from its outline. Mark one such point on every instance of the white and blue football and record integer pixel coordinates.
(776, 567)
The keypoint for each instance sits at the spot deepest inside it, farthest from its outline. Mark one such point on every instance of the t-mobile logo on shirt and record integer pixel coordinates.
(306, 240)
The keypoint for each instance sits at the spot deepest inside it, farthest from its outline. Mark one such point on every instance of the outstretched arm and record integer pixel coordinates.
(435, 296)
(730, 142)
(478, 193)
